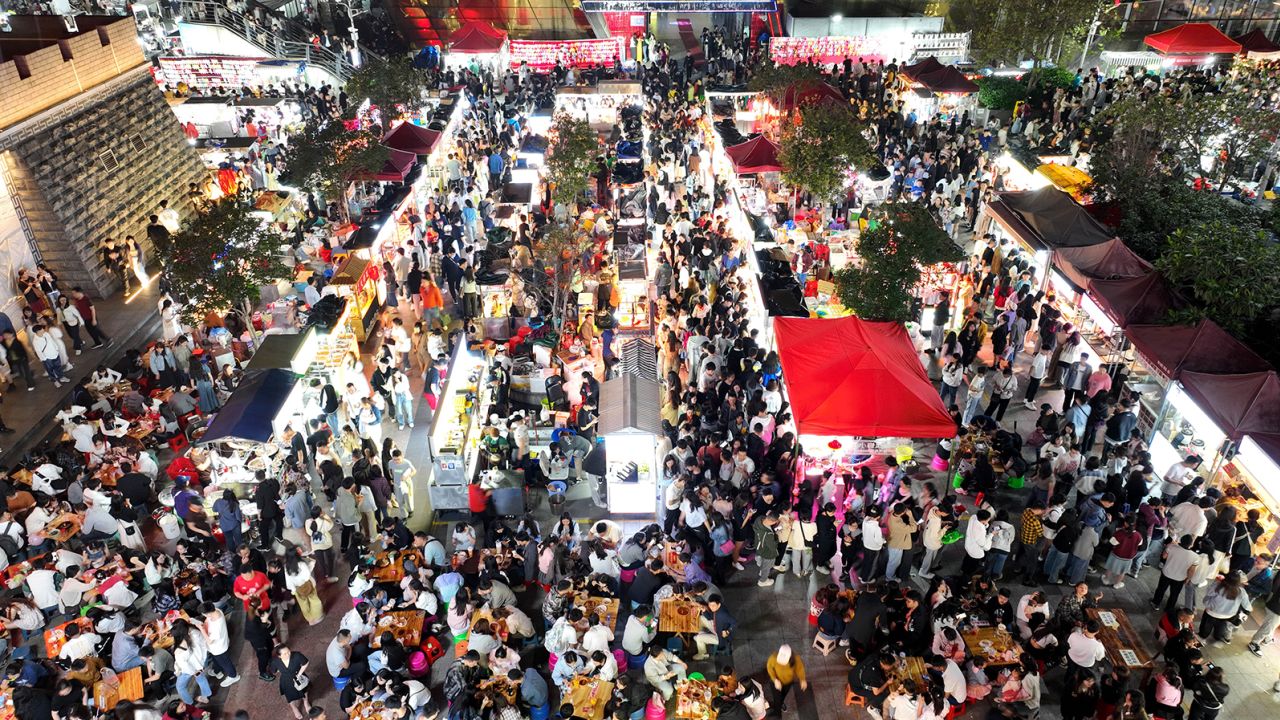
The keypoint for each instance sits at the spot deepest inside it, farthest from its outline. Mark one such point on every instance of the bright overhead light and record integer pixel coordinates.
(837, 17)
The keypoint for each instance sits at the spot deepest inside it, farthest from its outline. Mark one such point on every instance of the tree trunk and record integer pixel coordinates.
(246, 307)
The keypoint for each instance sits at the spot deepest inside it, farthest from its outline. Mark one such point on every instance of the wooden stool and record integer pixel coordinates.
(851, 698)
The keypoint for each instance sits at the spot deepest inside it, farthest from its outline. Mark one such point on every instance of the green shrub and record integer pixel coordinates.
(1000, 93)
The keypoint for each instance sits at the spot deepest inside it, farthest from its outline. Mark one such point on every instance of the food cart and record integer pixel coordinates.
(357, 279)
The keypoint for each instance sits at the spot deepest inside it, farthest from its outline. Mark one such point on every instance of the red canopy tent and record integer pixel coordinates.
(1240, 404)
(394, 169)
(1203, 347)
(411, 138)
(1111, 260)
(855, 377)
(1256, 44)
(477, 37)
(757, 155)
(1131, 301)
(1192, 38)
(808, 93)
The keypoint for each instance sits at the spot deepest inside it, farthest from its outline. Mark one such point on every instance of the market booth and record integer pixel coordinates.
(411, 138)
(1041, 221)
(934, 88)
(856, 387)
(1161, 353)
(1213, 416)
(476, 41)
(630, 427)
(238, 440)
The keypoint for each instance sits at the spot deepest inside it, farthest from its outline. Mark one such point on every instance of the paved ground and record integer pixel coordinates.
(129, 325)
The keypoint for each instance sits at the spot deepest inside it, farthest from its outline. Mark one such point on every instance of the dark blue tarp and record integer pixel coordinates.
(248, 413)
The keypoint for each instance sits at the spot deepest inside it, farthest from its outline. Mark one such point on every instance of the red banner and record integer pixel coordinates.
(542, 55)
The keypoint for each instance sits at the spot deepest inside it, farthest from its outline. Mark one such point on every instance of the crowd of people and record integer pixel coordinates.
(574, 616)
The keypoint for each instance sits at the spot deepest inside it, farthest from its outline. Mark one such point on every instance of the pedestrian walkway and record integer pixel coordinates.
(129, 324)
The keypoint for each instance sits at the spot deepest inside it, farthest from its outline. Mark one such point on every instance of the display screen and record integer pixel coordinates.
(682, 6)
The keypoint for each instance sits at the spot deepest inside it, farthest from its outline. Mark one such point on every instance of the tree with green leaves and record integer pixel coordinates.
(1228, 270)
(905, 238)
(818, 151)
(221, 259)
(571, 158)
(327, 158)
(1007, 32)
(773, 80)
(392, 85)
(556, 251)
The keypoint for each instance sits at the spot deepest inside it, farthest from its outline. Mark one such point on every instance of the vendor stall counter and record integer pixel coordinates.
(454, 433)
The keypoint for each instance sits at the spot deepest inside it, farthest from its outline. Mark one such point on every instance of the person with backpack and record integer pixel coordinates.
(319, 529)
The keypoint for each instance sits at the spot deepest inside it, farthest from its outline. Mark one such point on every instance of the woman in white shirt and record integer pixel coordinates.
(190, 655)
(299, 579)
(605, 562)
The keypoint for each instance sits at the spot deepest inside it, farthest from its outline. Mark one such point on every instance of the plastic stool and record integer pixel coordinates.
(852, 698)
(824, 644)
(341, 682)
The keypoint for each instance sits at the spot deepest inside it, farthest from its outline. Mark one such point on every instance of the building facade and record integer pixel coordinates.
(88, 148)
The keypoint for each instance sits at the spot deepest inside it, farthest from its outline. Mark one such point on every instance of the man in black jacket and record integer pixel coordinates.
(267, 498)
(824, 542)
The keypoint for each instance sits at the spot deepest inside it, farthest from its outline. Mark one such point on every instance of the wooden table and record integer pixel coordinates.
(500, 684)
(693, 699)
(677, 615)
(588, 696)
(913, 669)
(367, 710)
(1121, 637)
(21, 475)
(405, 625)
(55, 637)
(607, 608)
(55, 532)
(1000, 643)
(106, 697)
(108, 474)
(141, 430)
(389, 567)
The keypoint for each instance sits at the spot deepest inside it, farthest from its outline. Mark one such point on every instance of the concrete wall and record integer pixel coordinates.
(39, 80)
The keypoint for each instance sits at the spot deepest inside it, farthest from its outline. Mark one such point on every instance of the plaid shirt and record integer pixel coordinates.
(1031, 528)
(435, 265)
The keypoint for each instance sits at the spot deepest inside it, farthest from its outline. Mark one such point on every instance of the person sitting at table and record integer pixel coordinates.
(79, 642)
(69, 414)
(872, 678)
(113, 426)
(662, 670)
(98, 523)
(102, 378)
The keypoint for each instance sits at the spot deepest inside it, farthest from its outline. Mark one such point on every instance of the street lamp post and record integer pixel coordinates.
(352, 12)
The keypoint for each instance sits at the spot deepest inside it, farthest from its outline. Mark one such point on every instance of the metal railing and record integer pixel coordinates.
(289, 42)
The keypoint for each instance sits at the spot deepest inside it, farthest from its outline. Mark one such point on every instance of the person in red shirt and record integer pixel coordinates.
(478, 504)
(252, 583)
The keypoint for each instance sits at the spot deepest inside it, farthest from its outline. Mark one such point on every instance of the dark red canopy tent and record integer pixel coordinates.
(1240, 404)
(855, 377)
(1111, 260)
(1256, 44)
(947, 80)
(757, 155)
(1256, 41)
(411, 138)
(939, 78)
(1131, 301)
(808, 93)
(1192, 38)
(1204, 347)
(476, 37)
(925, 66)
(394, 169)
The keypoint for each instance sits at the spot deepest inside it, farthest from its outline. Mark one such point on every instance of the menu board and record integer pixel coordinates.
(542, 55)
